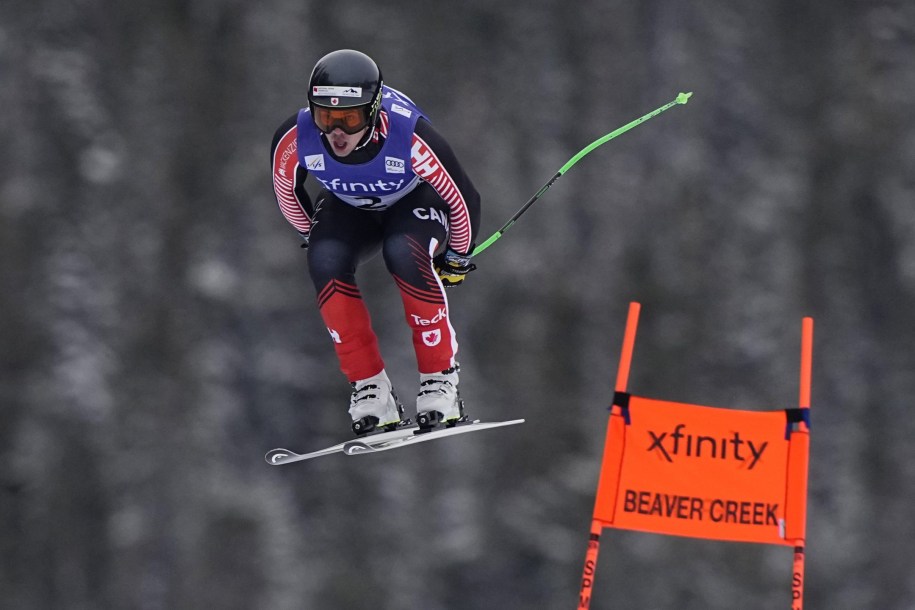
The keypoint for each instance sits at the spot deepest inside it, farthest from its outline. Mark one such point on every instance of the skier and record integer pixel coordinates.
(389, 182)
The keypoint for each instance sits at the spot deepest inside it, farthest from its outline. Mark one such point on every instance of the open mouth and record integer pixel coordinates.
(339, 143)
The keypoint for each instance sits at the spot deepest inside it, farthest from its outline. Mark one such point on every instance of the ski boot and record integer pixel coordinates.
(374, 405)
(438, 400)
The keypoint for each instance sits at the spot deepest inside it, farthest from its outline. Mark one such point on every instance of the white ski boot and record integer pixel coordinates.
(374, 405)
(438, 400)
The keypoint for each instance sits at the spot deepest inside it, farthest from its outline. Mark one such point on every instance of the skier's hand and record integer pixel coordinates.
(452, 267)
(304, 245)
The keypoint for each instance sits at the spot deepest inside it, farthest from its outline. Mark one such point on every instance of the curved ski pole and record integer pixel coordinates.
(681, 98)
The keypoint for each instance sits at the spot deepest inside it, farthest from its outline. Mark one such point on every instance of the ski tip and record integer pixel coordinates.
(275, 457)
(682, 98)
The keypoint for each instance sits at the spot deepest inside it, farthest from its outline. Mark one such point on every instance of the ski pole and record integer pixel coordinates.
(681, 98)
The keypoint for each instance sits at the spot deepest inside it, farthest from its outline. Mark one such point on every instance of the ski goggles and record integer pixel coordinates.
(350, 120)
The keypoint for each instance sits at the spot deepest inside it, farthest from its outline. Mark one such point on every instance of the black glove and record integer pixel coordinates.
(452, 267)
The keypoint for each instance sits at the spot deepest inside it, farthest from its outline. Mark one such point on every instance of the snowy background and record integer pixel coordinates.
(159, 332)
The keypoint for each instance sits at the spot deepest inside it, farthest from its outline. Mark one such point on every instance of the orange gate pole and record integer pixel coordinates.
(622, 381)
(797, 476)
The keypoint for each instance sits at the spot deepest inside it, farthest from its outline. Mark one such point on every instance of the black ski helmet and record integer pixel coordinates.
(346, 79)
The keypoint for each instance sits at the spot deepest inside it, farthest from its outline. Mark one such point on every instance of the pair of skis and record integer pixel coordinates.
(383, 441)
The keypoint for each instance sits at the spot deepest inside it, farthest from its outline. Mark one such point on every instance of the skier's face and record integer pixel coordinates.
(343, 143)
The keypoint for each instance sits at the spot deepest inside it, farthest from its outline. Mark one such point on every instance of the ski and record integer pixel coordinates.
(384, 441)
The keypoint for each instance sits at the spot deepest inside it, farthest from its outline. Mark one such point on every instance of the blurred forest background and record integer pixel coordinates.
(160, 334)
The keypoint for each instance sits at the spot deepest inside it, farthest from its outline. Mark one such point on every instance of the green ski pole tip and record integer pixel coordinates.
(682, 98)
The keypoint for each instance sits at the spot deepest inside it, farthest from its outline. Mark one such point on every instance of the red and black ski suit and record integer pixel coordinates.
(442, 211)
